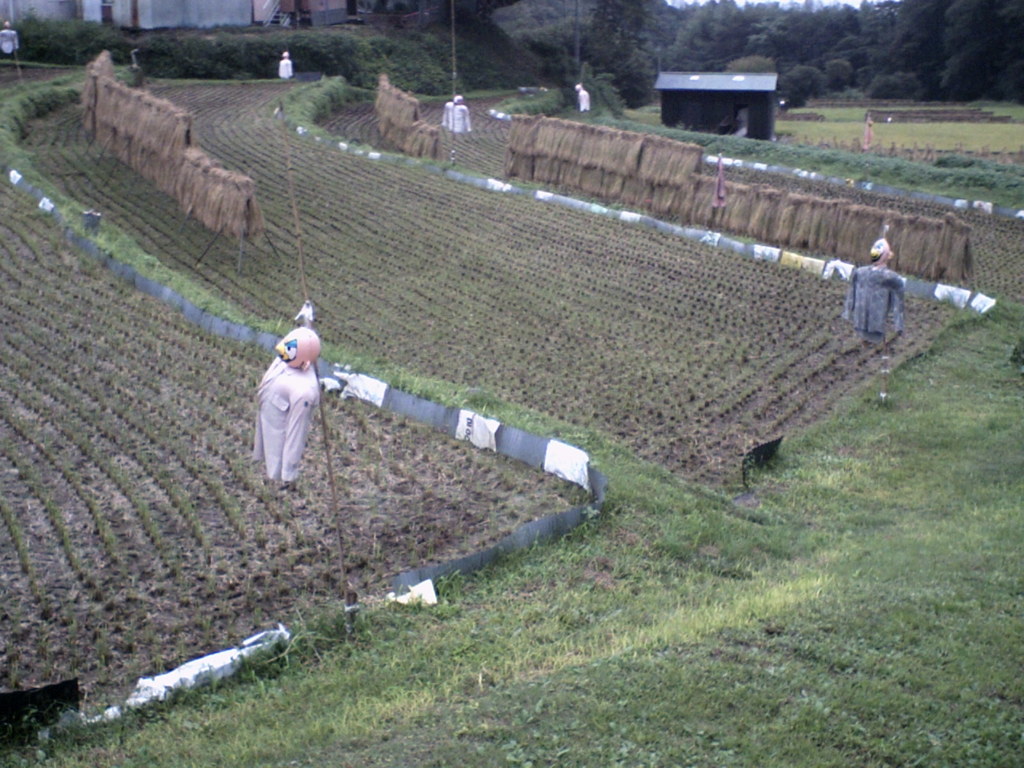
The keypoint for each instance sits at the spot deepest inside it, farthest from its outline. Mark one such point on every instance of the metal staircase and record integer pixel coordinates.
(274, 14)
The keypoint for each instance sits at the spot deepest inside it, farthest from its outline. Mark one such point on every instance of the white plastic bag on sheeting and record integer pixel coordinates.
(498, 186)
(982, 303)
(956, 296)
(766, 253)
(540, 194)
(364, 387)
(983, 206)
(330, 384)
(423, 592)
(479, 430)
(46, 204)
(629, 216)
(567, 462)
(835, 266)
(205, 669)
(14, 176)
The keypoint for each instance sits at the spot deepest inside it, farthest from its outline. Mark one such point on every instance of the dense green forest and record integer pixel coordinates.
(946, 50)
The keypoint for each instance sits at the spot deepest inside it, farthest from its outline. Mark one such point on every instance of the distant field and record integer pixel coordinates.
(845, 125)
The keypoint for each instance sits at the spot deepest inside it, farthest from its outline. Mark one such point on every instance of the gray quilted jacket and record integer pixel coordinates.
(873, 294)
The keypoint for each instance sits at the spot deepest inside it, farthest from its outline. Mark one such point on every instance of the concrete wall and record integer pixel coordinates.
(160, 14)
(16, 10)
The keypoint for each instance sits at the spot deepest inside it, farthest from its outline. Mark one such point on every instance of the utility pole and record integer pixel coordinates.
(576, 37)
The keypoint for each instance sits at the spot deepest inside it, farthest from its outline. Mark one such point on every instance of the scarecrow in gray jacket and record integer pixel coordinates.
(875, 293)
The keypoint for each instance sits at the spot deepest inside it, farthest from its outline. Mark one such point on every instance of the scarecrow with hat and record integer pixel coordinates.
(875, 294)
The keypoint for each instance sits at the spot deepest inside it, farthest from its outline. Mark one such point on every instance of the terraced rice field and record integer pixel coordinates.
(135, 530)
(686, 354)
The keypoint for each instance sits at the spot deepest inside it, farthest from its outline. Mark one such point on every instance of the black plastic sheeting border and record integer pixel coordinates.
(23, 712)
(510, 441)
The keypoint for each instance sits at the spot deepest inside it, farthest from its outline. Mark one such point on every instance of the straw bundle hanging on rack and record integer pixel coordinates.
(101, 66)
(402, 130)
(154, 137)
(222, 200)
(856, 227)
(664, 161)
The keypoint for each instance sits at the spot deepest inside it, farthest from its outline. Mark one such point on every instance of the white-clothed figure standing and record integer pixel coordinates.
(9, 39)
(582, 98)
(284, 67)
(460, 116)
(449, 112)
(288, 395)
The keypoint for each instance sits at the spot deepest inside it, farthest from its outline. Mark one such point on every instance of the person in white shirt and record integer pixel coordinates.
(284, 67)
(582, 98)
(8, 39)
(460, 116)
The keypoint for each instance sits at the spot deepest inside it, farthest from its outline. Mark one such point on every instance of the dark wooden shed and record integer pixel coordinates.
(719, 102)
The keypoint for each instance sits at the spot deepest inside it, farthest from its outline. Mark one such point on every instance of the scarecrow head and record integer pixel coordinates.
(300, 348)
(880, 251)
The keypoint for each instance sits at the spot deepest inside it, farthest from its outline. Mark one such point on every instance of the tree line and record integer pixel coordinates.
(934, 50)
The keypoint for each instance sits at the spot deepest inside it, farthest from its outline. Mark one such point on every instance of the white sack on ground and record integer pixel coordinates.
(982, 303)
(421, 593)
(567, 462)
(364, 387)
(835, 266)
(205, 669)
(956, 296)
(479, 430)
(766, 253)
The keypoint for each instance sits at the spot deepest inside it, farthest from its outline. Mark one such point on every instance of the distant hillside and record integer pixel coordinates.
(415, 60)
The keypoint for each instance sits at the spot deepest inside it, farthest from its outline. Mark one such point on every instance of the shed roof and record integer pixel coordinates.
(715, 81)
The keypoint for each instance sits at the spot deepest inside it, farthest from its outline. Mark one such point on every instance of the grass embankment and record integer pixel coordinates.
(868, 612)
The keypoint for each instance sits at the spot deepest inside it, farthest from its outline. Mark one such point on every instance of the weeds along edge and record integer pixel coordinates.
(552, 456)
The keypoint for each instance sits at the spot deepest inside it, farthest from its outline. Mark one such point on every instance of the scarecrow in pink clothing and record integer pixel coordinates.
(287, 395)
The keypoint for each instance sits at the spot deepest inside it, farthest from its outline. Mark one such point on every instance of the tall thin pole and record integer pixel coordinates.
(454, 69)
(576, 38)
(349, 593)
